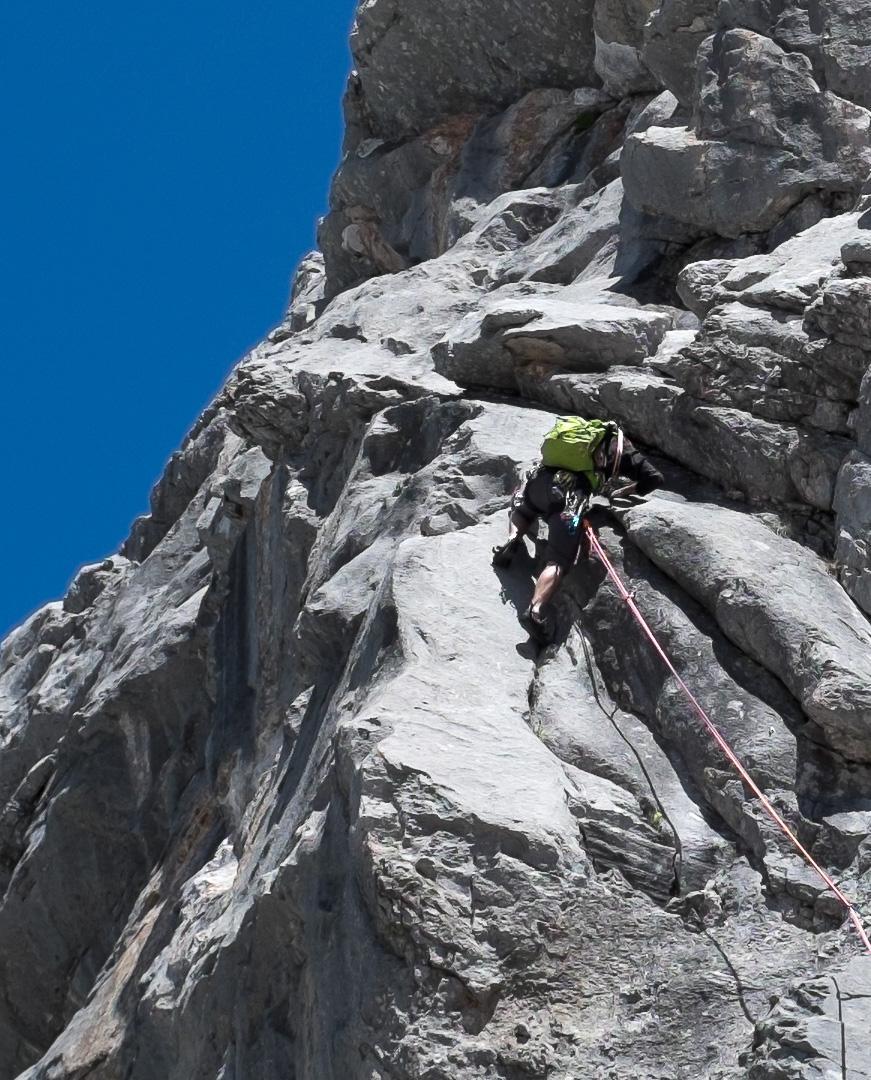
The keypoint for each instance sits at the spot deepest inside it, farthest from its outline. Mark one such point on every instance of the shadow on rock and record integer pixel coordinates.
(517, 583)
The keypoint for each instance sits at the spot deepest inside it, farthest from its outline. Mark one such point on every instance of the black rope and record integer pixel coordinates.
(677, 860)
(740, 986)
(843, 1029)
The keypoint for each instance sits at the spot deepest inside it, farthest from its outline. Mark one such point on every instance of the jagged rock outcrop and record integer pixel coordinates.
(417, 63)
(285, 791)
(758, 113)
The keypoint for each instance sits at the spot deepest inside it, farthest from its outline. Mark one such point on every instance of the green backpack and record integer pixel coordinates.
(571, 443)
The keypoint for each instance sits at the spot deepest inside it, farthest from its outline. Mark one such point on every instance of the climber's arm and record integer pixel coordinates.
(642, 476)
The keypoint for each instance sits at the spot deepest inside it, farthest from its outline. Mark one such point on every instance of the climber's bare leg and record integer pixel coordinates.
(518, 526)
(546, 586)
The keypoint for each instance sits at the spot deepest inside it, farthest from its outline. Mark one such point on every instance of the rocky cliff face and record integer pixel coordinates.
(284, 790)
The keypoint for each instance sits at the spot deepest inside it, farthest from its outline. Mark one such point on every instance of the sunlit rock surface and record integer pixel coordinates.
(285, 791)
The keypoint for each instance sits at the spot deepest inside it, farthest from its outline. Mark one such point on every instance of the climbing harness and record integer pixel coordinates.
(577, 504)
(714, 731)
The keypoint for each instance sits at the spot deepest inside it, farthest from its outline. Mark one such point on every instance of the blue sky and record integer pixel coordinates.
(164, 167)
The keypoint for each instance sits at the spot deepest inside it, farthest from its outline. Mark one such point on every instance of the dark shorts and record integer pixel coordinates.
(540, 497)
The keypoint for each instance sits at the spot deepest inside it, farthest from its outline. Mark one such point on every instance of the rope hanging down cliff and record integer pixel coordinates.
(714, 731)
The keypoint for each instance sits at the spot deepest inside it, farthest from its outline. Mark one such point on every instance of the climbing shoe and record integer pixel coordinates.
(504, 553)
(540, 625)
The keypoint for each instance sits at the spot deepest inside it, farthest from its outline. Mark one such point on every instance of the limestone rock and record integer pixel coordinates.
(672, 39)
(567, 248)
(844, 27)
(307, 292)
(285, 788)
(698, 173)
(789, 23)
(790, 277)
(619, 26)
(767, 365)
(485, 350)
(857, 254)
(425, 193)
(747, 568)
(418, 63)
(697, 284)
(853, 507)
(820, 1023)
(538, 141)
(90, 581)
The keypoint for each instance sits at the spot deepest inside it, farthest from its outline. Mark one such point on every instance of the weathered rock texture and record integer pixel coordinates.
(284, 790)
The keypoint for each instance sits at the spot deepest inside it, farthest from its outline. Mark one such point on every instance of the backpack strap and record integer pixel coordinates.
(618, 457)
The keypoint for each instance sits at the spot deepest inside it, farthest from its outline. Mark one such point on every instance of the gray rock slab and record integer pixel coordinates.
(791, 276)
(764, 362)
(788, 22)
(857, 253)
(600, 739)
(507, 152)
(585, 336)
(698, 282)
(285, 789)
(565, 249)
(457, 711)
(588, 336)
(765, 593)
(738, 698)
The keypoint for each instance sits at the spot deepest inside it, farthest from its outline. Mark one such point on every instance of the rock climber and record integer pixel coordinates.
(580, 459)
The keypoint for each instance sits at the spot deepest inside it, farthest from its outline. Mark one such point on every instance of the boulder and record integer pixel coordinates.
(789, 278)
(856, 254)
(697, 283)
(307, 291)
(561, 252)
(488, 346)
(764, 363)
(787, 22)
(91, 580)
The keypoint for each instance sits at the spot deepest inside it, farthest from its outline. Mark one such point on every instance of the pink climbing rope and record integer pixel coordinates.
(721, 741)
